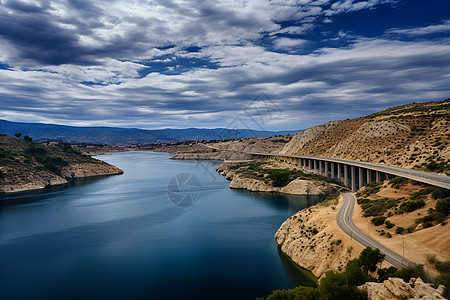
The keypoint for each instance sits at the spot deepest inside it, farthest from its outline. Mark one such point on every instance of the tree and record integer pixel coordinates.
(18, 135)
(354, 274)
(369, 259)
(28, 138)
(334, 287)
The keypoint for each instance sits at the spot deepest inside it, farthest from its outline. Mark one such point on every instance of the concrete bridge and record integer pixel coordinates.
(355, 174)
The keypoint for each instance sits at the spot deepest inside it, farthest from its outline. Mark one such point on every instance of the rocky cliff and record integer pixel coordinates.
(397, 289)
(313, 240)
(26, 166)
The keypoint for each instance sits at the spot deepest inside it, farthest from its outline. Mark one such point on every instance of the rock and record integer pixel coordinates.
(395, 288)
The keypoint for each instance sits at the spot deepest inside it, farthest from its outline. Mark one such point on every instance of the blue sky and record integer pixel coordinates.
(178, 64)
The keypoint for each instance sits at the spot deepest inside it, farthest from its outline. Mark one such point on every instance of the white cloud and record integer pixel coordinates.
(287, 43)
(423, 30)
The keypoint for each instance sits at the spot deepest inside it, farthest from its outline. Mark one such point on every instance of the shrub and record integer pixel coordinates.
(388, 224)
(420, 194)
(35, 150)
(440, 193)
(27, 160)
(443, 206)
(280, 178)
(409, 272)
(385, 273)
(427, 224)
(378, 221)
(412, 205)
(53, 168)
(28, 138)
(334, 286)
(399, 230)
(397, 182)
(301, 292)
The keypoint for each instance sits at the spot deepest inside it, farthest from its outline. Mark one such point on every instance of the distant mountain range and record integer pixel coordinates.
(127, 136)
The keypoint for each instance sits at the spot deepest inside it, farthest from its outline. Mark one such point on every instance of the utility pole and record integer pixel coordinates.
(403, 246)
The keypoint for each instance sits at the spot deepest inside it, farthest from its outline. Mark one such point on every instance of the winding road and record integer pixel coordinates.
(345, 221)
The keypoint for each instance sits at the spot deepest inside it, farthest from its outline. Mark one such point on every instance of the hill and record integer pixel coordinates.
(127, 136)
(416, 136)
(25, 165)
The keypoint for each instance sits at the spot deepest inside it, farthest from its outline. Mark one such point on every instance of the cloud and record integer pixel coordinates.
(432, 29)
(287, 43)
(200, 63)
(346, 6)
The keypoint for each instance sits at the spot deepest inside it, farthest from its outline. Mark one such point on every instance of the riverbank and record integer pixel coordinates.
(279, 177)
(29, 166)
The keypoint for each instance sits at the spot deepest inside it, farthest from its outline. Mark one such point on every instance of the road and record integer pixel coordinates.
(345, 221)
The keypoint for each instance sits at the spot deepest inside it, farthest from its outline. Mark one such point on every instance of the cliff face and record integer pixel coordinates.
(28, 166)
(414, 135)
(313, 240)
(397, 289)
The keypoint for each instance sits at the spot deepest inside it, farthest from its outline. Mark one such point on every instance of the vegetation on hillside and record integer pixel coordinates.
(357, 272)
(380, 208)
(275, 177)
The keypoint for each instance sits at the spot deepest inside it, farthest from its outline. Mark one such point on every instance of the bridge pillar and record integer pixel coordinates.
(361, 178)
(340, 176)
(346, 181)
(333, 169)
(369, 177)
(353, 178)
(377, 176)
(326, 169)
(320, 167)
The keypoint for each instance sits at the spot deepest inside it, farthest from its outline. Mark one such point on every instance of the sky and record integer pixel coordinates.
(257, 64)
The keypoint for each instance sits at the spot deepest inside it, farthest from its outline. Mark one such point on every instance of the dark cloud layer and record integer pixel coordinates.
(201, 63)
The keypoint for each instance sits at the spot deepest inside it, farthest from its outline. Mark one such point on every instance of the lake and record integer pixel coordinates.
(165, 229)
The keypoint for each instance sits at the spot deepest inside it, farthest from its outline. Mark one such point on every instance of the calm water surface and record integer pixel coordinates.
(120, 237)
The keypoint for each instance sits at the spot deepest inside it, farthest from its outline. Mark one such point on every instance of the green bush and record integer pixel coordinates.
(440, 193)
(53, 168)
(399, 230)
(412, 205)
(397, 182)
(411, 272)
(378, 221)
(35, 150)
(335, 286)
(27, 160)
(427, 224)
(385, 273)
(388, 224)
(301, 292)
(280, 178)
(378, 207)
(443, 206)
(420, 194)
(52, 160)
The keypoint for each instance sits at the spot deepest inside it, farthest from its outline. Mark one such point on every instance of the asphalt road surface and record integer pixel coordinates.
(345, 221)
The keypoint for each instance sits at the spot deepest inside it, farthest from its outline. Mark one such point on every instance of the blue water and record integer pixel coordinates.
(120, 237)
